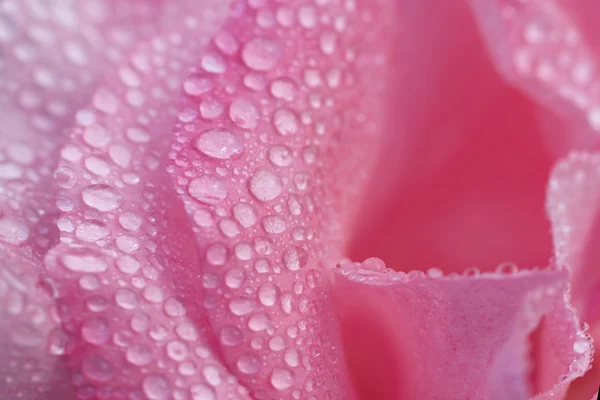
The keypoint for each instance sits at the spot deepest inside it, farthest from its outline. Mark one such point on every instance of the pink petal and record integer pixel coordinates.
(273, 140)
(408, 331)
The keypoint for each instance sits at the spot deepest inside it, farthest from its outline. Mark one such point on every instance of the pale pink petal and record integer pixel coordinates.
(124, 285)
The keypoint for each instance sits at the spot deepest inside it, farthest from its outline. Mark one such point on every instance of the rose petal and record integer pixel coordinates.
(406, 332)
(124, 288)
(545, 49)
(275, 133)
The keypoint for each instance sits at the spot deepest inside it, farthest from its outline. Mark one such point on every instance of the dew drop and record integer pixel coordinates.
(280, 156)
(91, 231)
(13, 231)
(295, 258)
(219, 143)
(138, 354)
(202, 392)
(231, 336)
(265, 185)
(102, 197)
(244, 113)
(82, 260)
(248, 364)
(284, 89)
(267, 294)
(274, 224)
(196, 85)
(244, 214)
(285, 122)
(208, 189)
(282, 378)
(216, 254)
(126, 299)
(261, 54)
(98, 369)
(156, 387)
(241, 307)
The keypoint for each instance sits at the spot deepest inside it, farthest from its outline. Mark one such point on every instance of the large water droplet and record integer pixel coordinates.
(202, 392)
(13, 231)
(98, 369)
(261, 54)
(96, 331)
(138, 354)
(102, 197)
(156, 387)
(295, 258)
(231, 336)
(83, 260)
(285, 121)
(244, 113)
(280, 156)
(241, 307)
(248, 364)
(267, 294)
(282, 378)
(265, 185)
(91, 231)
(208, 189)
(219, 143)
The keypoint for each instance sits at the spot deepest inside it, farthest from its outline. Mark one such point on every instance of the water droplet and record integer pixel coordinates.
(208, 189)
(153, 294)
(284, 89)
(274, 224)
(231, 336)
(211, 108)
(295, 258)
(226, 42)
(102, 197)
(267, 294)
(13, 231)
(248, 364)
(197, 85)
(235, 278)
(96, 331)
(280, 156)
(213, 63)
(291, 357)
(259, 322)
(244, 214)
(91, 231)
(243, 251)
(96, 136)
(216, 254)
(105, 101)
(265, 185)
(202, 392)
(219, 143)
(261, 54)
(130, 221)
(244, 113)
(581, 346)
(282, 378)
(83, 260)
(277, 343)
(156, 387)
(128, 264)
(98, 369)
(138, 354)
(285, 122)
(174, 308)
(177, 350)
(126, 299)
(307, 16)
(241, 307)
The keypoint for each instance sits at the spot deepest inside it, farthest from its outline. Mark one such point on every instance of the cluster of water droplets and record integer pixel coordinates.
(248, 160)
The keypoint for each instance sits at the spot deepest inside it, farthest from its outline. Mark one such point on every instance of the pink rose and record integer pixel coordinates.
(187, 184)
